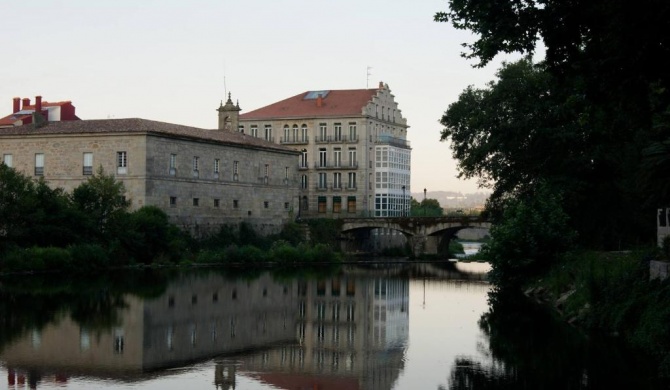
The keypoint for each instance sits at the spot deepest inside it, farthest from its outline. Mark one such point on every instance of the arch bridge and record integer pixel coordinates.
(425, 235)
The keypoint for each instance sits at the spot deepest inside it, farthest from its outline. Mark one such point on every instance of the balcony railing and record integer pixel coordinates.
(353, 165)
(294, 140)
(335, 139)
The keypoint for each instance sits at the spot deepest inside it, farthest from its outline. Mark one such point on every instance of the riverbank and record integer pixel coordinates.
(610, 292)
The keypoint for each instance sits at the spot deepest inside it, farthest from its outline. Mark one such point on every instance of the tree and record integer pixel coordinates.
(620, 74)
(102, 198)
(530, 127)
(427, 208)
(32, 213)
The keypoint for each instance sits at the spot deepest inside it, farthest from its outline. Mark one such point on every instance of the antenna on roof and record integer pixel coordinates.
(225, 90)
(367, 79)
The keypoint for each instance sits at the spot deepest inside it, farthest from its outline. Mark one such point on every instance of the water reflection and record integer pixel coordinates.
(346, 330)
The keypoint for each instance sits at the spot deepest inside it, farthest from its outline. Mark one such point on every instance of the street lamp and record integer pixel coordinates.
(402, 213)
(424, 202)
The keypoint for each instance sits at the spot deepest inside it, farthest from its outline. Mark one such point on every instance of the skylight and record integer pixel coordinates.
(311, 95)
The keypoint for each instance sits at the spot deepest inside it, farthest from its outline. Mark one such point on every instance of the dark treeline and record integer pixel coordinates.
(44, 228)
(576, 150)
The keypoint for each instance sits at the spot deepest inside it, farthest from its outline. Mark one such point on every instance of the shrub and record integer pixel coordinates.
(88, 256)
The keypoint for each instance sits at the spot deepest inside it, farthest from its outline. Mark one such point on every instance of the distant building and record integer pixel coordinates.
(201, 178)
(23, 112)
(355, 156)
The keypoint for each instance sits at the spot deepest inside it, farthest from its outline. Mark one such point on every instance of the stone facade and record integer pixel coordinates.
(343, 136)
(201, 178)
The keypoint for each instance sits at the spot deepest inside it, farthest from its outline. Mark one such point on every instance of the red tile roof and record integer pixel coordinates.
(137, 125)
(346, 102)
(10, 119)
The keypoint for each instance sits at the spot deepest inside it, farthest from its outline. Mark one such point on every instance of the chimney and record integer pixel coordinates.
(319, 101)
(38, 104)
(17, 105)
(26, 103)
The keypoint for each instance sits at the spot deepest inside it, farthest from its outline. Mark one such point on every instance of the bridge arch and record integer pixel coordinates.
(424, 234)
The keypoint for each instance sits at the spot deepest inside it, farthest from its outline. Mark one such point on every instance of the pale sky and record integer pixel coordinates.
(165, 60)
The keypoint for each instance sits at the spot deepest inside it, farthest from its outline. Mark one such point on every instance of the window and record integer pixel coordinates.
(303, 182)
(266, 204)
(322, 204)
(268, 133)
(338, 131)
(322, 157)
(337, 180)
(267, 170)
(121, 163)
(39, 164)
(322, 180)
(217, 202)
(173, 201)
(254, 131)
(323, 131)
(236, 167)
(236, 204)
(217, 166)
(303, 159)
(8, 160)
(287, 205)
(118, 340)
(303, 133)
(337, 156)
(351, 204)
(352, 131)
(173, 164)
(195, 163)
(352, 180)
(352, 157)
(88, 164)
(295, 134)
(286, 173)
(287, 134)
(337, 204)
(196, 202)
(240, 128)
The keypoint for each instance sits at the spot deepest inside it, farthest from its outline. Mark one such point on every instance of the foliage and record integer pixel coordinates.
(427, 208)
(530, 236)
(325, 231)
(102, 199)
(610, 292)
(592, 119)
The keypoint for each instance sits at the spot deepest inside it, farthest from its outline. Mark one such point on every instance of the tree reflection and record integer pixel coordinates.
(530, 349)
(31, 302)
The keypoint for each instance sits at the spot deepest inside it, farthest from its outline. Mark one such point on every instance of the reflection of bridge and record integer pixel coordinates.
(426, 235)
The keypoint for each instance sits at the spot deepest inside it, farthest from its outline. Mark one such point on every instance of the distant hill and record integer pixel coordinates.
(451, 199)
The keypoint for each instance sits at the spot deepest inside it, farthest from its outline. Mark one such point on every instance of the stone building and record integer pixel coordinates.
(200, 178)
(355, 157)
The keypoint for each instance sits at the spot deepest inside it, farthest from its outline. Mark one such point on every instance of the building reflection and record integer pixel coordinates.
(347, 331)
(352, 331)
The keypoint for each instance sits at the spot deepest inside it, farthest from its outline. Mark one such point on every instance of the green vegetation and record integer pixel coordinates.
(611, 292)
(44, 229)
(575, 149)
(427, 208)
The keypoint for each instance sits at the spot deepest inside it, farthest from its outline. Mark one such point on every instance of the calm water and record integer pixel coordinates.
(426, 326)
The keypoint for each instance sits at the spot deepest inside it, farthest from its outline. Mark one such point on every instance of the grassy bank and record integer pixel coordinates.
(611, 292)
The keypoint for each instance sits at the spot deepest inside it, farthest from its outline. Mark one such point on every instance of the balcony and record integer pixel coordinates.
(294, 140)
(336, 139)
(333, 166)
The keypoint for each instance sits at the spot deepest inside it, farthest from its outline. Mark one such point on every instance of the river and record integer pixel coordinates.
(418, 326)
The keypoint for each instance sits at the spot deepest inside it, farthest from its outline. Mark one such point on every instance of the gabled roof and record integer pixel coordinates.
(345, 102)
(26, 112)
(137, 125)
